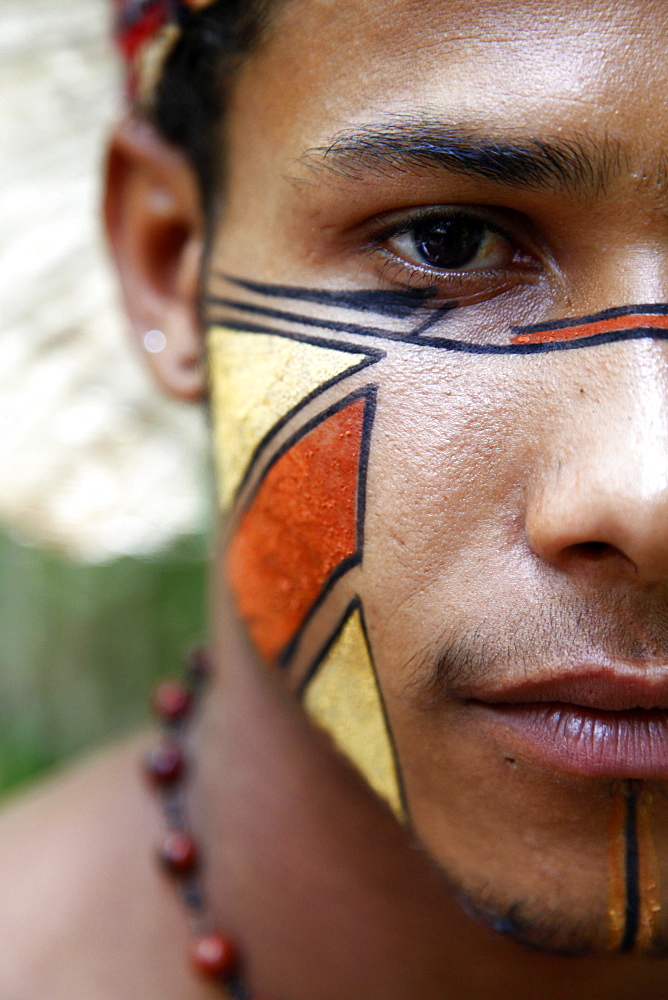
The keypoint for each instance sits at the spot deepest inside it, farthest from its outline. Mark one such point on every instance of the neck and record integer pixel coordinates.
(325, 892)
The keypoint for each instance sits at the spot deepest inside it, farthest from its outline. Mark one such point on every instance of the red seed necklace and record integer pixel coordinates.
(213, 955)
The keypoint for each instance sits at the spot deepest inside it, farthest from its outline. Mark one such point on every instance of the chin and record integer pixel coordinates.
(555, 933)
(569, 930)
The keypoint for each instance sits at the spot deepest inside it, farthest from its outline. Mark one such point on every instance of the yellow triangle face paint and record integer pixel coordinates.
(343, 698)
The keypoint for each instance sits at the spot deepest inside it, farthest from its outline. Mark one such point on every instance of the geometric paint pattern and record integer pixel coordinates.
(257, 379)
(582, 329)
(301, 528)
(417, 319)
(343, 698)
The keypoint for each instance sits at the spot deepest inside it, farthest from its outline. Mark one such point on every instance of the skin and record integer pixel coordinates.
(517, 509)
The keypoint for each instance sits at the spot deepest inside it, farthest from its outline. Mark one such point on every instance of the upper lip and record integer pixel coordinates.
(617, 689)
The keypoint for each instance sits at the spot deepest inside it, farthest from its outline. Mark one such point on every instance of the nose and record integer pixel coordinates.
(600, 492)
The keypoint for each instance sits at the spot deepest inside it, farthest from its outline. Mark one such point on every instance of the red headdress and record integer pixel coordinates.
(145, 32)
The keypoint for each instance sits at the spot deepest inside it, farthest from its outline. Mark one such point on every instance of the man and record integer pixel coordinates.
(429, 260)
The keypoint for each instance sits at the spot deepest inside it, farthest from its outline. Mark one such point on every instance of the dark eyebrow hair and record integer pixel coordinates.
(409, 142)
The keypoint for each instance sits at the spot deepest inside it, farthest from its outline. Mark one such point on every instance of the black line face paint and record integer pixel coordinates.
(419, 320)
(634, 907)
(383, 303)
(631, 917)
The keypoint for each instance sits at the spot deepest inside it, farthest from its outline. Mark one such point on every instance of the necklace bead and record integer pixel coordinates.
(178, 855)
(214, 956)
(172, 701)
(164, 765)
(198, 669)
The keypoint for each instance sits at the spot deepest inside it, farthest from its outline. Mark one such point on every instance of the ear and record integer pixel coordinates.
(155, 227)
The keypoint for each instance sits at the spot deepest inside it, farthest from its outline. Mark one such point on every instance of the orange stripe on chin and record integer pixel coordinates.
(611, 325)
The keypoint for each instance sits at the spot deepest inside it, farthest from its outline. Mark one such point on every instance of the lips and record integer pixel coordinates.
(599, 723)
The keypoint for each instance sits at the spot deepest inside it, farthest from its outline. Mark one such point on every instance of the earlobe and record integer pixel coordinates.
(155, 226)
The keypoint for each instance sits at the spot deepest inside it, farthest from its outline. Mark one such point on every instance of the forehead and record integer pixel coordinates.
(330, 64)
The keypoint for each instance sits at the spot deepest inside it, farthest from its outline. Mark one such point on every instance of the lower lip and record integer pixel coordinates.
(586, 741)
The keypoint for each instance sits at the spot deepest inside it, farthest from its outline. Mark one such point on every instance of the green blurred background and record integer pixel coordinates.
(82, 645)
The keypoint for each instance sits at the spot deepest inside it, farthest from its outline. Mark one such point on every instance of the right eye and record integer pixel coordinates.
(453, 243)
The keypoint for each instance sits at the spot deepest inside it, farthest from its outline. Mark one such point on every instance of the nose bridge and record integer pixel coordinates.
(604, 483)
(651, 430)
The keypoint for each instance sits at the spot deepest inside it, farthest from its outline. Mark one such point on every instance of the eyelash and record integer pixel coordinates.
(463, 286)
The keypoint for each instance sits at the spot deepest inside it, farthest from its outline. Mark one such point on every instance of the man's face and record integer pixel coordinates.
(411, 481)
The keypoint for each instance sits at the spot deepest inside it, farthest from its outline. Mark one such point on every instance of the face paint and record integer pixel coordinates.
(260, 381)
(626, 323)
(634, 907)
(304, 526)
(413, 319)
(343, 697)
(295, 375)
(294, 452)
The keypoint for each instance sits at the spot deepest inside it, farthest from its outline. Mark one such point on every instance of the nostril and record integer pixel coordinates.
(589, 554)
(593, 551)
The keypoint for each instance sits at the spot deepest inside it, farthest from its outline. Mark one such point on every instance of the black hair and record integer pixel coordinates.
(189, 102)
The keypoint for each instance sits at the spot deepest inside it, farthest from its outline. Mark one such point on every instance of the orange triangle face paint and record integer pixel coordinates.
(303, 527)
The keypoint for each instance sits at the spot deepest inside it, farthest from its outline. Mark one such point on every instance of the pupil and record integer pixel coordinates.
(449, 243)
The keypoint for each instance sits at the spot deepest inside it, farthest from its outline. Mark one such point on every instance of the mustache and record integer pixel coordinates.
(525, 643)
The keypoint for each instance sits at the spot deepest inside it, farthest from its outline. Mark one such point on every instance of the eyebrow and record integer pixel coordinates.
(405, 143)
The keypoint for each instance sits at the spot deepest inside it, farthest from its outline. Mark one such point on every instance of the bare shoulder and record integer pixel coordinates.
(79, 901)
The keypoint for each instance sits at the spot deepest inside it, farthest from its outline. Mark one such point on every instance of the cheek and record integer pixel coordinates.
(453, 447)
